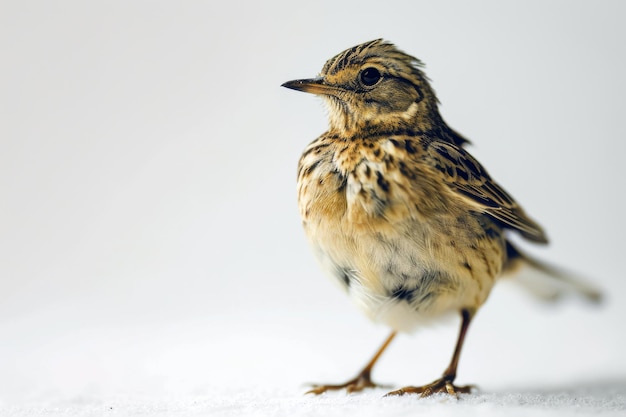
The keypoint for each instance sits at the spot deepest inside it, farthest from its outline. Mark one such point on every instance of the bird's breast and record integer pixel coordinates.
(389, 235)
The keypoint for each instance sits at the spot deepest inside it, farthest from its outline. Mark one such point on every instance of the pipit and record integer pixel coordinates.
(410, 225)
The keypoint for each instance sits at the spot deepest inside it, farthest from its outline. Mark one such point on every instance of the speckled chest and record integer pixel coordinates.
(386, 231)
(363, 181)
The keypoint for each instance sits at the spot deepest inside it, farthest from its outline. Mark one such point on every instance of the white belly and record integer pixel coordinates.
(402, 282)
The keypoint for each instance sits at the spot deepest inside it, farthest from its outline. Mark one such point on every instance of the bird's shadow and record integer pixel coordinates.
(609, 393)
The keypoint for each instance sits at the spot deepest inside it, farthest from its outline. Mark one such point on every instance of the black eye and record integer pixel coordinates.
(370, 76)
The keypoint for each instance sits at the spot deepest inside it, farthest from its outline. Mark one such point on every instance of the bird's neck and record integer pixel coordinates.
(416, 120)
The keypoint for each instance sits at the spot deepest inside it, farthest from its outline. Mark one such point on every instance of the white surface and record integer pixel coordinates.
(604, 400)
(151, 258)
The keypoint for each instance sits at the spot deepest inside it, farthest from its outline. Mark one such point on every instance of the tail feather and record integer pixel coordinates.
(547, 281)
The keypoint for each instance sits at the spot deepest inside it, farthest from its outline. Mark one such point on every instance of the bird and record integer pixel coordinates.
(398, 212)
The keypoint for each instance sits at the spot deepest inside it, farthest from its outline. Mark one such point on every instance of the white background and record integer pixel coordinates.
(151, 256)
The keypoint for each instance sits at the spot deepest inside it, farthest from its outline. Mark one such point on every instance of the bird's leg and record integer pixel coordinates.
(362, 380)
(445, 384)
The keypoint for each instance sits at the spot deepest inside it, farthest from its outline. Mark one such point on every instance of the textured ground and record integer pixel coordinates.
(603, 399)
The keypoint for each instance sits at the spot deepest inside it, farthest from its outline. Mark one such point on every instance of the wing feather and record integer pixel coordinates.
(465, 176)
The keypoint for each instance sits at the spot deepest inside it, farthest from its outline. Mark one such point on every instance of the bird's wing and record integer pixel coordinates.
(469, 180)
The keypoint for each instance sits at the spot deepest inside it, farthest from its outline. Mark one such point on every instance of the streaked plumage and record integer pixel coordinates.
(407, 221)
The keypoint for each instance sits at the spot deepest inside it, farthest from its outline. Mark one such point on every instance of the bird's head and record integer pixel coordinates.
(374, 86)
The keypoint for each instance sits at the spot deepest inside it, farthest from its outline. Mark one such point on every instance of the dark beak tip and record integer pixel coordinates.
(293, 84)
(309, 85)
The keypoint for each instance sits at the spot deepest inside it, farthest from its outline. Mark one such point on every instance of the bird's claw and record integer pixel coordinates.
(443, 385)
(357, 384)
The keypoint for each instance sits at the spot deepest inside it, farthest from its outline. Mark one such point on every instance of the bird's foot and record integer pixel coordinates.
(442, 385)
(362, 381)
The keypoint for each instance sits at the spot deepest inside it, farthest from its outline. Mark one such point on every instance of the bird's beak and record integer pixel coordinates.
(312, 85)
